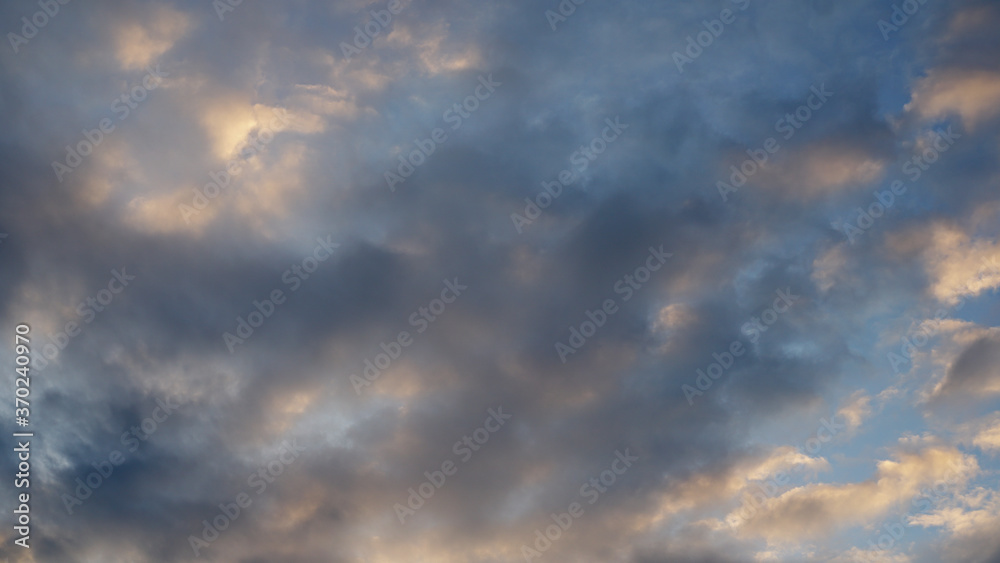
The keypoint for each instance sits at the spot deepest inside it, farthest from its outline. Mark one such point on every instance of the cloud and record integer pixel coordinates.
(972, 95)
(823, 170)
(141, 40)
(988, 438)
(970, 519)
(322, 175)
(974, 371)
(959, 265)
(817, 510)
(856, 410)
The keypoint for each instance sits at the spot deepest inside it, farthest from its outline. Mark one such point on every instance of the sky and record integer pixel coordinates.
(483, 282)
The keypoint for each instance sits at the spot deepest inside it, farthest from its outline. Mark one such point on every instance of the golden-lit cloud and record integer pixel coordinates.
(989, 438)
(960, 266)
(230, 119)
(819, 170)
(973, 95)
(965, 514)
(707, 489)
(817, 510)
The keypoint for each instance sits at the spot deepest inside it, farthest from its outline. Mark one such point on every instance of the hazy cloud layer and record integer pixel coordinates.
(423, 279)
